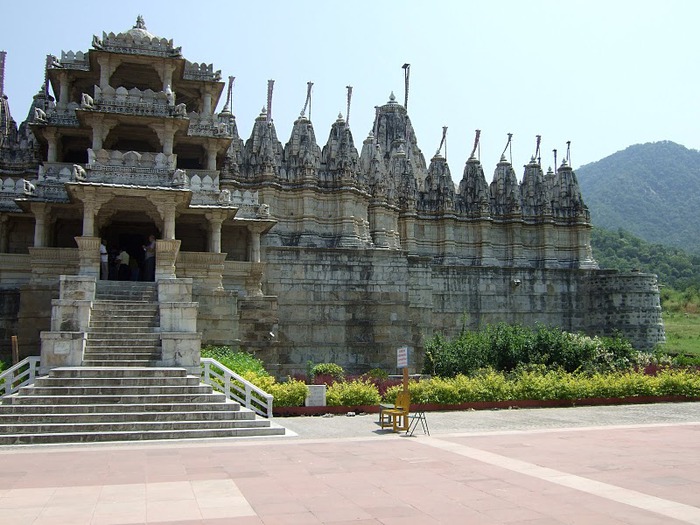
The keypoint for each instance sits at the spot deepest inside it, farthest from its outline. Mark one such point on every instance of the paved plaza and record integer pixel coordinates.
(618, 465)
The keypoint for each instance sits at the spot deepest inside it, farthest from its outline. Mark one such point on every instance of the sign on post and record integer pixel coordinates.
(402, 362)
(402, 357)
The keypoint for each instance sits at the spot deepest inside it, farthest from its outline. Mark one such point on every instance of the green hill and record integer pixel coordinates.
(651, 190)
(621, 250)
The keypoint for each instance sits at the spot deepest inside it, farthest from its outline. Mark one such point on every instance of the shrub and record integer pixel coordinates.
(331, 370)
(352, 393)
(291, 393)
(504, 347)
(237, 361)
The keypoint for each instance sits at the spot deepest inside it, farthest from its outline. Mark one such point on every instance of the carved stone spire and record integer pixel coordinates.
(302, 155)
(339, 158)
(567, 201)
(263, 151)
(474, 190)
(438, 189)
(505, 191)
(536, 197)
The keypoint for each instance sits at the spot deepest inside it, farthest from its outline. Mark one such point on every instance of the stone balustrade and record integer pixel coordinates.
(72, 60)
(141, 44)
(64, 117)
(131, 101)
(208, 126)
(131, 159)
(204, 72)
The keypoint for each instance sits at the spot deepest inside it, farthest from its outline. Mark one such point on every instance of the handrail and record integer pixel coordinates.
(19, 375)
(236, 387)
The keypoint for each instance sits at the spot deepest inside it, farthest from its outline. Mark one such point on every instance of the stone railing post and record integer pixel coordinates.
(166, 255)
(89, 255)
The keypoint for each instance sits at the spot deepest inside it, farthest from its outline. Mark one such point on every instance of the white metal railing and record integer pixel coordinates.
(19, 375)
(236, 387)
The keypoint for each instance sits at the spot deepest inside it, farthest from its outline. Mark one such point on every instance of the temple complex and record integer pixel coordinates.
(295, 252)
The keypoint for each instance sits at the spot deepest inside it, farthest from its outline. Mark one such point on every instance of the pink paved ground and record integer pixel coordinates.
(640, 475)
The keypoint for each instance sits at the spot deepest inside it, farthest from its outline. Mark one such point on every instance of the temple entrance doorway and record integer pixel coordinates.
(131, 237)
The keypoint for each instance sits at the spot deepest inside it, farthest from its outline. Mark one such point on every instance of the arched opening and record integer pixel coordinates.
(133, 138)
(139, 76)
(190, 156)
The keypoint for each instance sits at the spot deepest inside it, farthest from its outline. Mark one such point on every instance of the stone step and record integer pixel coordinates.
(130, 426)
(136, 363)
(46, 381)
(124, 307)
(104, 390)
(91, 437)
(97, 399)
(139, 337)
(49, 409)
(114, 355)
(84, 371)
(101, 417)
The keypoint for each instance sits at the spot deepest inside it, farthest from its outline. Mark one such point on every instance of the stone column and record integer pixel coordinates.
(211, 148)
(108, 64)
(39, 212)
(166, 75)
(166, 135)
(52, 138)
(89, 254)
(206, 103)
(214, 242)
(4, 234)
(166, 255)
(254, 245)
(89, 218)
(167, 211)
(64, 88)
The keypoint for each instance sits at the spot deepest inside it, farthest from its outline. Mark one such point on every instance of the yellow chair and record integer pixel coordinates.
(397, 417)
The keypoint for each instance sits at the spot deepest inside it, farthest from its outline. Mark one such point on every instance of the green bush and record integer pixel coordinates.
(540, 383)
(352, 393)
(505, 347)
(237, 361)
(291, 393)
(332, 370)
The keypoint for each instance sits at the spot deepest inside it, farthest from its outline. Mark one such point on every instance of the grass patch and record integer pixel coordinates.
(682, 333)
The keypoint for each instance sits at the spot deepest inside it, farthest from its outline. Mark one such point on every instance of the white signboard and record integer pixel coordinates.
(402, 357)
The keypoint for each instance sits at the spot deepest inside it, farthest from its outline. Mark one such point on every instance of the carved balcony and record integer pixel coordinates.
(132, 102)
(208, 126)
(203, 72)
(131, 167)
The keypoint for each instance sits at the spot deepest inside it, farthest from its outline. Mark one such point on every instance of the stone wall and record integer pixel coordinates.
(355, 308)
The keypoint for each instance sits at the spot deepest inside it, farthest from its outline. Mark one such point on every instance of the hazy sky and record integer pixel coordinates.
(602, 74)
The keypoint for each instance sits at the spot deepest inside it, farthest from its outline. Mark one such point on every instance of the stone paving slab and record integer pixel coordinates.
(589, 465)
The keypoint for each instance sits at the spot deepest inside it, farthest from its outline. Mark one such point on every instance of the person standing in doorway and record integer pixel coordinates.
(149, 261)
(123, 272)
(104, 260)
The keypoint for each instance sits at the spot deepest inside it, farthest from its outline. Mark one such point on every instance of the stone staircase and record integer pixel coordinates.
(118, 395)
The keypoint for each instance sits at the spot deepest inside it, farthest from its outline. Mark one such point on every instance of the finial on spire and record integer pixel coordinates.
(140, 24)
(2, 72)
(508, 147)
(229, 96)
(270, 87)
(443, 141)
(537, 150)
(555, 158)
(568, 152)
(307, 102)
(392, 98)
(406, 74)
(347, 112)
(476, 143)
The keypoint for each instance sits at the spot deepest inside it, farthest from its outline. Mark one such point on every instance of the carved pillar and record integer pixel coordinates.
(167, 211)
(108, 64)
(166, 135)
(254, 245)
(89, 254)
(211, 148)
(166, 255)
(52, 138)
(206, 103)
(4, 234)
(89, 212)
(214, 242)
(166, 75)
(100, 129)
(64, 90)
(39, 211)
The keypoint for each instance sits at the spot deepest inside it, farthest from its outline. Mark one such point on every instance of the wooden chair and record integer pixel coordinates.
(397, 417)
